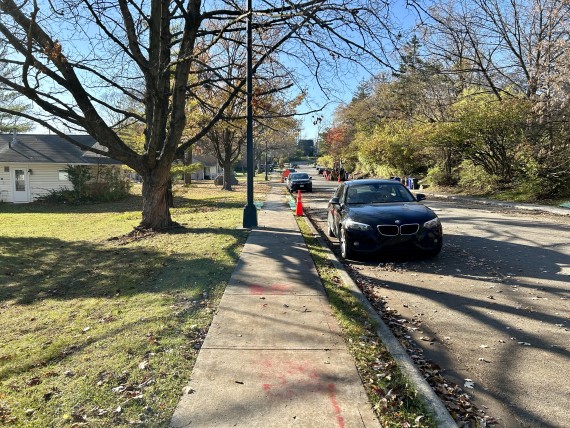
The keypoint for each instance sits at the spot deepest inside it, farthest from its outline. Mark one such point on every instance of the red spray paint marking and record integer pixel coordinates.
(279, 288)
(284, 379)
(257, 289)
(336, 407)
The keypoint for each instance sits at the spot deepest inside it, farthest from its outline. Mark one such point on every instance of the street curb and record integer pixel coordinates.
(433, 403)
(490, 202)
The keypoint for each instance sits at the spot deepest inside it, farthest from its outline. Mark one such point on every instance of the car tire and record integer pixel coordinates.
(330, 232)
(434, 252)
(345, 251)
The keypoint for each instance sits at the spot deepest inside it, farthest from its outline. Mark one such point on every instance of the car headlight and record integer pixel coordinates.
(354, 225)
(434, 223)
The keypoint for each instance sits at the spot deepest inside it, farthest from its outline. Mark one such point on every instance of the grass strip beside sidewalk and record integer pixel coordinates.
(394, 400)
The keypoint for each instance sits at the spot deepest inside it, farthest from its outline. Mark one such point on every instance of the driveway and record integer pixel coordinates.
(491, 310)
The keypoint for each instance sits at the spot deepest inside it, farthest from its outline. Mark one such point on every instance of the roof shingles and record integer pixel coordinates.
(36, 148)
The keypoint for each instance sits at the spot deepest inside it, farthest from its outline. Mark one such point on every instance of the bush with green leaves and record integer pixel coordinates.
(436, 176)
(79, 175)
(475, 178)
(109, 185)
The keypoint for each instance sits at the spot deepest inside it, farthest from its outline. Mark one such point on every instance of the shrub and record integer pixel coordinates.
(109, 186)
(475, 178)
(112, 186)
(79, 176)
(436, 176)
(60, 196)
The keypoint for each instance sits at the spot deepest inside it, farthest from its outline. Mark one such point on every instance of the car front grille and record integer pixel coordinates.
(409, 229)
(388, 229)
(394, 230)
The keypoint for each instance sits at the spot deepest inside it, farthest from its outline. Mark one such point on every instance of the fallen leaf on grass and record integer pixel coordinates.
(34, 381)
(78, 417)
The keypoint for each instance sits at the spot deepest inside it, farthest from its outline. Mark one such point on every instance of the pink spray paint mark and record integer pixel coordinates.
(335, 405)
(255, 289)
(279, 288)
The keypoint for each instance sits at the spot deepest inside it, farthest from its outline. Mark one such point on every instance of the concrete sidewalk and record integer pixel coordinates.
(274, 356)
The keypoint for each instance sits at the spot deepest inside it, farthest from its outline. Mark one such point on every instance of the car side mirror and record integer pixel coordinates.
(420, 197)
(335, 200)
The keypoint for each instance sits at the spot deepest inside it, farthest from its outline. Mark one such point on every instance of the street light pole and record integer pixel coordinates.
(250, 211)
(266, 177)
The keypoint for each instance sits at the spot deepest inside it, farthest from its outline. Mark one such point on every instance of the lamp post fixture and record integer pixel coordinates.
(250, 211)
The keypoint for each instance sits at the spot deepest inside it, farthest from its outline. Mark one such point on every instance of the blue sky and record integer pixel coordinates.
(345, 85)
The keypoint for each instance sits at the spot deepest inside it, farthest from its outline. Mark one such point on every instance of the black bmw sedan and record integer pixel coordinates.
(382, 216)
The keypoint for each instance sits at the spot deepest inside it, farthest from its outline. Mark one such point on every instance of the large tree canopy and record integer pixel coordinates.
(100, 66)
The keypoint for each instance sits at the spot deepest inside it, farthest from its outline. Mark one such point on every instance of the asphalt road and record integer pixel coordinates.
(492, 310)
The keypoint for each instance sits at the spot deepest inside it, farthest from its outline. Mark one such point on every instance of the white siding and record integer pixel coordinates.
(5, 188)
(208, 171)
(45, 178)
(42, 179)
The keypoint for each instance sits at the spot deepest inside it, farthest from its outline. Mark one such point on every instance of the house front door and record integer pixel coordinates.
(21, 186)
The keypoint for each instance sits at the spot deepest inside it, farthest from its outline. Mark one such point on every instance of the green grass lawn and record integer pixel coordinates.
(100, 330)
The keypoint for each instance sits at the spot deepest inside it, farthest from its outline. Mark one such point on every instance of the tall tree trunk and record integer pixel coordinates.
(227, 175)
(188, 161)
(156, 201)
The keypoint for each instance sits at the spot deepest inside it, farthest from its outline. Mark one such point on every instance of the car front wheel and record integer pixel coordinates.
(433, 252)
(330, 231)
(345, 251)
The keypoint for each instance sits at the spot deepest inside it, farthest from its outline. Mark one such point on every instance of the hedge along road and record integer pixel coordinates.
(491, 310)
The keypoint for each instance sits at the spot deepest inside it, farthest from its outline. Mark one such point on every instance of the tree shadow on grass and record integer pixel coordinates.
(131, 203)
(47, 268)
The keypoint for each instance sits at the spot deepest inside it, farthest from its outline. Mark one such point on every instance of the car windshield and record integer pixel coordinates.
(378, 193)
(299, 176)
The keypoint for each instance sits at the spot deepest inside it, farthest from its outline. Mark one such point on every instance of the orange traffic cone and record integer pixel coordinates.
(299, 208)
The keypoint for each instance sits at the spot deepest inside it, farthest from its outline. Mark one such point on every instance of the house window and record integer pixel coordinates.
(63, 176)
(6, 169)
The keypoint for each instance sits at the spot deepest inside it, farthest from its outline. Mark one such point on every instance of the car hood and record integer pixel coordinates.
(409, 212)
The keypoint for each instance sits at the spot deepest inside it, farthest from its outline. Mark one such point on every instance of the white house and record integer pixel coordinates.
(33, 165)
(210, 169)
